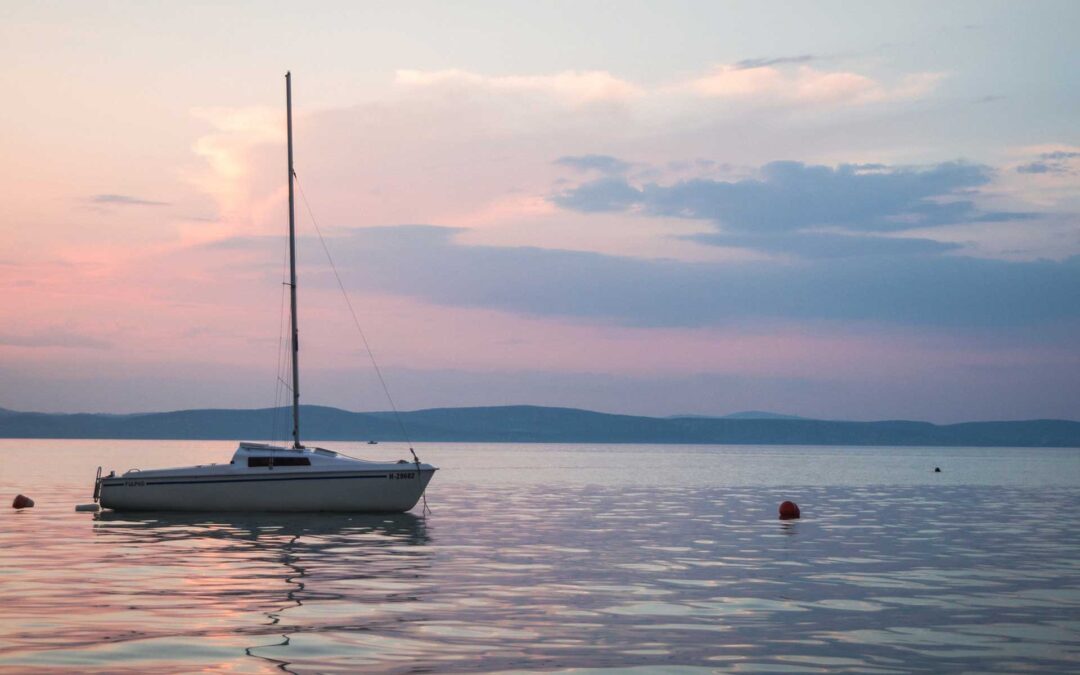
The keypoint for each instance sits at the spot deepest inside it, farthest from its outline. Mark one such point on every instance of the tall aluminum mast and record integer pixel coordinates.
(292, 274)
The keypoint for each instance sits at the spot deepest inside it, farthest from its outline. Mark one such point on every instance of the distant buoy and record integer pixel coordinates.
(937, 469)
(93, 508)
(22, 502)
(789, 511)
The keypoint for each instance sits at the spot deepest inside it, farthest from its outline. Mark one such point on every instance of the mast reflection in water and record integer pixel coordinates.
(273, 564)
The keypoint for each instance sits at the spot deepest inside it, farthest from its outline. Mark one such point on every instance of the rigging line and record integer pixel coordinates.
(284, 356)
(277, 374)
(281, 350)
(356, 321)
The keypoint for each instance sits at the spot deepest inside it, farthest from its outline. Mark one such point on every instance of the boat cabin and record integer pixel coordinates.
(264, 455)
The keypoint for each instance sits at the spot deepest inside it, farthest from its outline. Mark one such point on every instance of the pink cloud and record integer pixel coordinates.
(571, 86)
(807, 85)
(804, 84)
(229, 173)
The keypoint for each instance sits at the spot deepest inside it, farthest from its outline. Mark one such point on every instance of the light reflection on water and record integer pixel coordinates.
(555, 575)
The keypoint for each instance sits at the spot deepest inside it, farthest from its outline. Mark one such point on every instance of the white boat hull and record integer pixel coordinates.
(390, 491)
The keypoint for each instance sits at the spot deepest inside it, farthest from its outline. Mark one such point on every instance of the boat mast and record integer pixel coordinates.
(292, 274)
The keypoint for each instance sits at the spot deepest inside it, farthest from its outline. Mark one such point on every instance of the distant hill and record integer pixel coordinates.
(744, 415)
(761, 415)
(526, 424)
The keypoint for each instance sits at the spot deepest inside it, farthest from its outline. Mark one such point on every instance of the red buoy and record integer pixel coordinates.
(789, 511)
(22, 502)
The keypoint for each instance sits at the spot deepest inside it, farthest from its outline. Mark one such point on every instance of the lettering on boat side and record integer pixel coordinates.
(401, 475)
(134, 483)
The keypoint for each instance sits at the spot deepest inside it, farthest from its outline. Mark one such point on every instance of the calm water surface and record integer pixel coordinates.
(579, 558)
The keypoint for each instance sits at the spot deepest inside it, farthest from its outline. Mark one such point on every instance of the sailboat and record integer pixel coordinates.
(266, 477)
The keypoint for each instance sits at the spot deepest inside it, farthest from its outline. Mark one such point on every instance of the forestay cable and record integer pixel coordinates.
(356, 322)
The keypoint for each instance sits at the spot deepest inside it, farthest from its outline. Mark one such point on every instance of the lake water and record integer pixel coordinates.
(558, 557)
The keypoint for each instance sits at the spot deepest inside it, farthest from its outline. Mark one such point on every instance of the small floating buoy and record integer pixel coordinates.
(22, 502)
(789, 511)
(93, 508)
(937, 469)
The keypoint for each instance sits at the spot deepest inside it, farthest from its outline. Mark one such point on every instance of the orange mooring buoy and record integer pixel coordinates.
(789, 511)
(22, 502)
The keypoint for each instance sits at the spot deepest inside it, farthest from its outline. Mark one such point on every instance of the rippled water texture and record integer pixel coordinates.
(596, 564)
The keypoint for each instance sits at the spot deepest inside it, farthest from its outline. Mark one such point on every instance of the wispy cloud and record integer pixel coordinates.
(901, 288)
(124, 200)
(53, 337)
(762, 80)
(572, 86)
(1058, 161)
(773, 61)
(602, 163)
(809, 211)
(805, 84)
(828, 244)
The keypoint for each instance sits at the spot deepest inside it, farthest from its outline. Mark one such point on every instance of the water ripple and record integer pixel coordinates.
(880, 579)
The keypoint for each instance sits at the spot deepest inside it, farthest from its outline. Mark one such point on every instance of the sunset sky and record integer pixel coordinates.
(839, 210)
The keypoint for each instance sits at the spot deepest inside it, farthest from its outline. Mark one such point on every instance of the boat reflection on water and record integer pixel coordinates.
(398, 528)
(236, 563)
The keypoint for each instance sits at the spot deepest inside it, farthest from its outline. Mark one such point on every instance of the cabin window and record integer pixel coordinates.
(279, 461)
